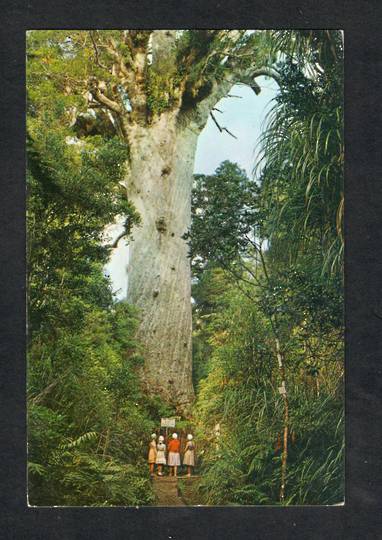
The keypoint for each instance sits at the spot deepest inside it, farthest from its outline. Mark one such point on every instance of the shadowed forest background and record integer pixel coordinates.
(261, 383)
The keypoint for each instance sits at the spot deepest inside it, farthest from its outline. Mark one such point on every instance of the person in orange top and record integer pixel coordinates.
(173, 448)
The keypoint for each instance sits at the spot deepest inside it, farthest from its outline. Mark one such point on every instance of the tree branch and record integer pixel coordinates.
(248, 77)
(119, 237)
(266, 71)
(102, 98)
(119, 59)
(215, 121)
(96, 52)
(36, 399)
(221, 129)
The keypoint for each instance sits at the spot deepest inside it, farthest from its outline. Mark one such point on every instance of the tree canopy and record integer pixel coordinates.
(129, 76)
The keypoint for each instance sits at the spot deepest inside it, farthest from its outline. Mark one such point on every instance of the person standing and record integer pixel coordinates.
(152, 454)
(189, 454)
(174, 454)
(161, 455)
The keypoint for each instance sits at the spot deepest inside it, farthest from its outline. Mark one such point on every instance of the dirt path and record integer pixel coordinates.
(166, 491)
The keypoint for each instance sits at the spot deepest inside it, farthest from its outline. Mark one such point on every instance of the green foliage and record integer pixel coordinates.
(207, 55)
(242, 464)
(73, 193)
(302, 148)
(67, 471)
(87, 420)
(67, 68)
(162, 89)
(209, 294)
(280, 238)
(224, 216)
(59, 63)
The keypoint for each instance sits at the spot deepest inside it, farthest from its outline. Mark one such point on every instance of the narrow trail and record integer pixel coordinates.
(166, 491)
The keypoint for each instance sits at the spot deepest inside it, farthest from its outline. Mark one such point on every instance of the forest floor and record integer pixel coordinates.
(170, 491)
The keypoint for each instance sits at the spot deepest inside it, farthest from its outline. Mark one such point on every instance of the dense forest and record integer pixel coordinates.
(264, 394)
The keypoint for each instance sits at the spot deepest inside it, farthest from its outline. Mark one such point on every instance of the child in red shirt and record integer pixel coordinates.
(173, 448)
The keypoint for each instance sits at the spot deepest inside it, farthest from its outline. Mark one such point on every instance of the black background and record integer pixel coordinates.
(361, 515)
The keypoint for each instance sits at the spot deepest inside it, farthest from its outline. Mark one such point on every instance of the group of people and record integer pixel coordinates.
(158, 451)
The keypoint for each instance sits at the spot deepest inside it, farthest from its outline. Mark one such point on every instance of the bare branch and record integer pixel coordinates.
(266, 71)
(112, 105)
(248, 77)
(238, 280)
(216, 122)
(221, 129)
(96, 52)
(119, 237)
(120, 60)
(98, 95)
(256, 88)
(128, 41)
(44, 392)
(229, 132)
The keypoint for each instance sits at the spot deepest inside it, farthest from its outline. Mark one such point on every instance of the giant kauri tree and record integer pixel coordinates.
(156, 89)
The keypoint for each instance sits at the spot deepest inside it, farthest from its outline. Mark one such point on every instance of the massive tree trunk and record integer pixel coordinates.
(159, 278)
(159, 185)
(159, 89)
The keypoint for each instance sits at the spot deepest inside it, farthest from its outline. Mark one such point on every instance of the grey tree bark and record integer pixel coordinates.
(159, 276)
